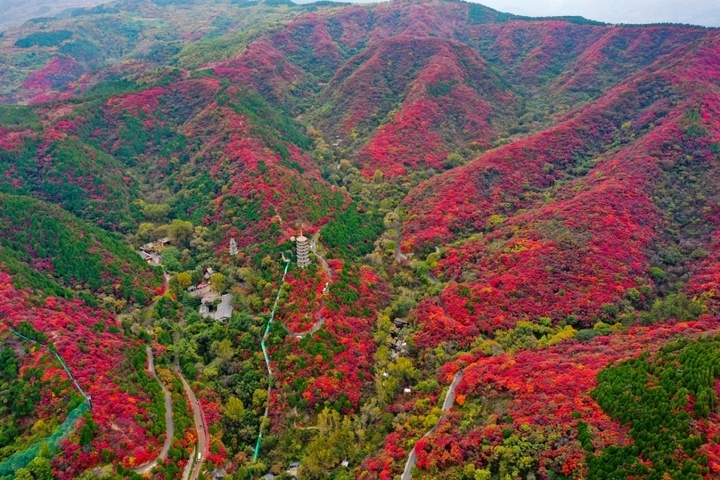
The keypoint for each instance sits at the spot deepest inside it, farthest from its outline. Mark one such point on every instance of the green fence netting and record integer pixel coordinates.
(21, 459)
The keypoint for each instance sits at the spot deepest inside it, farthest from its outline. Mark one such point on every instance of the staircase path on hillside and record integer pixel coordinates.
(267, 358)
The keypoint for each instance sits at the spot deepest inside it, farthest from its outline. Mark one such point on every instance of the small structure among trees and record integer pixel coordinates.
(233, 247)
(219, 309)
(150, 252)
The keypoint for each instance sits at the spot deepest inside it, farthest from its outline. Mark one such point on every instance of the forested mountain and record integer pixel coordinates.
(16, 12)
(513, 227)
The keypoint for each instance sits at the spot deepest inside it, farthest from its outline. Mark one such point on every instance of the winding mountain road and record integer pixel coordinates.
(315, 327)
(201, 427)
(203, 435)
(447, 405)
(170, 426)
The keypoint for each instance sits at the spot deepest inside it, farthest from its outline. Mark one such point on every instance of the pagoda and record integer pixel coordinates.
(302, 248)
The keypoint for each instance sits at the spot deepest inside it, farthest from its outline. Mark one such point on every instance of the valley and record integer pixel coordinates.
(415, 239)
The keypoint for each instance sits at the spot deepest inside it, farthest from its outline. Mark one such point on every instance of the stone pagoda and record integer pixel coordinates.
(302, 248)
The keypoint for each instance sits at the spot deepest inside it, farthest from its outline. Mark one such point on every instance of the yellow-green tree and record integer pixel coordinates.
(223, 350)
(234, 409)
(184, 279)
(336, 441)
(217, 282)
(156, 212)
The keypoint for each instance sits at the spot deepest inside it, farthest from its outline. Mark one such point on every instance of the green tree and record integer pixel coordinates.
(41, 469)
(171, 259)
(181, 232)
(657, 274)
(23, 474)
(146, 232)
(336, 440)
(677, 306)
(453, 160)
(223, 350)
(259, 398)
(156, 212)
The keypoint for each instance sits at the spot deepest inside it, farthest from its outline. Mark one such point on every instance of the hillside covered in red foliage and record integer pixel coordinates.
(102, 360)
(508, 219)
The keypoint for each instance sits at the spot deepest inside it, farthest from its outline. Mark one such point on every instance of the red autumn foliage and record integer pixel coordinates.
(579, 245)
(95, 356)
(264, 68)
(539, 390)
(57, 73)
(334, 360)
(450, 95)
(11, 139)
(302, 307)
(273, 193)
(146, 102)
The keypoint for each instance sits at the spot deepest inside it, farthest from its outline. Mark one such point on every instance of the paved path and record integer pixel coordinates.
(201, 427)
(170, 426)
(315, 327)
(447, 405)
(313, 249)
(194, 466)
(320, 319)
(188, 467)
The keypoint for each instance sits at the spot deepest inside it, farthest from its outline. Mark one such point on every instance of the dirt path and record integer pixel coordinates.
(170, 426)
(399, 256)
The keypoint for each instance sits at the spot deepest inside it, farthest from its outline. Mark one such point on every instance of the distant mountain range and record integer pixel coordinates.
(15, 12)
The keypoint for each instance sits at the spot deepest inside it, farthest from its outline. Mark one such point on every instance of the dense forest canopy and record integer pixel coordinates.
(415, 239)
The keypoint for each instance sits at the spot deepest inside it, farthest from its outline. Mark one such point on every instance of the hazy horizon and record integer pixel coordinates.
(696, 12)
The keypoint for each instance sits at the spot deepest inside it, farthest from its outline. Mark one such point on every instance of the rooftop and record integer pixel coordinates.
(222, 312)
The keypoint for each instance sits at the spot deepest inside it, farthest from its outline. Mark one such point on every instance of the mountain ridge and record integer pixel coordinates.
(489, 197)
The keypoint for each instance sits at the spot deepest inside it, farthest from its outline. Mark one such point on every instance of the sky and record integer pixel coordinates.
(696, 12)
